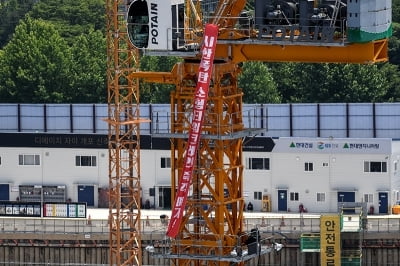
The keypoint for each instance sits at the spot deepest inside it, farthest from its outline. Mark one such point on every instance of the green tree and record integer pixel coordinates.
(341, 83)
(394, 45)
(391, 75)
(35, 64)
(283, 77)
(396, 10)
(11, 12)
(257, 84)
(88, 70)
(71, 17)
(313, 83)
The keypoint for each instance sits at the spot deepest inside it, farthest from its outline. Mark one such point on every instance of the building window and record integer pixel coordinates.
(368, 198)
(375, 167)
(325, 164)
(165, 162)
(320, 197)
(308, 167)
(29, 159)
(294, 196)
(85, 161)
(257, 195)
(258, 163)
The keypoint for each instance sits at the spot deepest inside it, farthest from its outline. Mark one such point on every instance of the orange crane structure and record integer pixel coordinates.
(124, 139)
(268, 30)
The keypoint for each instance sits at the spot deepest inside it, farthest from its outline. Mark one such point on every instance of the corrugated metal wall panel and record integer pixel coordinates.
(280, 120)
(58, 118)
(32, 118)
(8, 117)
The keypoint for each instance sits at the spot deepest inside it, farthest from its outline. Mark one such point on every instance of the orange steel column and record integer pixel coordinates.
(124, 142)
(213, 218)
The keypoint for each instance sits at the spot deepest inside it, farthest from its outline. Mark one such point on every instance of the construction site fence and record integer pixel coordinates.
(339, 120)
(375, 224)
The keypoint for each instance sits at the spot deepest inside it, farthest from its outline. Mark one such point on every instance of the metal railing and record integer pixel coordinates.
(292, 31)
(244, 247)
(162, 121)
(279, 225)
(53, 226)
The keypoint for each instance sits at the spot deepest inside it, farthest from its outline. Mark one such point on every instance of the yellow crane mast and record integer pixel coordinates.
(124, 139)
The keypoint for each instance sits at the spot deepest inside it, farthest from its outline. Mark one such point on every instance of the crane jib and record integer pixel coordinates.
(199, 107)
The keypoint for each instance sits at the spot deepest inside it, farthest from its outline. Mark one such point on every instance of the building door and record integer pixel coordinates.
(86, 194)
(383, 202)
(346, 196)
(164, 197)
(4, 192)
(282, 200)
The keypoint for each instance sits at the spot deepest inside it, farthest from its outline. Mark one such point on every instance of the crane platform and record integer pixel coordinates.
(247, 247)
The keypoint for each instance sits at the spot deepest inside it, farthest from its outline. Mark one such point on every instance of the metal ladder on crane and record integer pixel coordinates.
(335, 13)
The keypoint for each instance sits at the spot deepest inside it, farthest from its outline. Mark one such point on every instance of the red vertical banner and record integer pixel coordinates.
(199, 107)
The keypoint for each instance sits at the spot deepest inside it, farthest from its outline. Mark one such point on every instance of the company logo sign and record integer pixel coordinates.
(326, 146)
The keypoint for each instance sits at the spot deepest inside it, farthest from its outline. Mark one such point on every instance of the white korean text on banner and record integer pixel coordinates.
(200, 103)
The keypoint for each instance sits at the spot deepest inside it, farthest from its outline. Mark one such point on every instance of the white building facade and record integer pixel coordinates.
(58, 152)
(316, 173)
(321, 173)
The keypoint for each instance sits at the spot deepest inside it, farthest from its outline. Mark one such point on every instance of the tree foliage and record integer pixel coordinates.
(11, 12)
(283, 74)
(391, 75)
(72, 18)
(35, 64)
(257, 84)
(346, 83)
(39, 66)
(396, 10)
(58, 54)
(314, 83)
(394, 45)
(88, 80)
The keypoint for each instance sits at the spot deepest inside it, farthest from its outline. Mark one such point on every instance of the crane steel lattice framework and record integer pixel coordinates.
(124, 142)
(212, 224)
(214, 212)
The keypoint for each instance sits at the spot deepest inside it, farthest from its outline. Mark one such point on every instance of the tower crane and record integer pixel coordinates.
(124, 139)
(330, 31)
